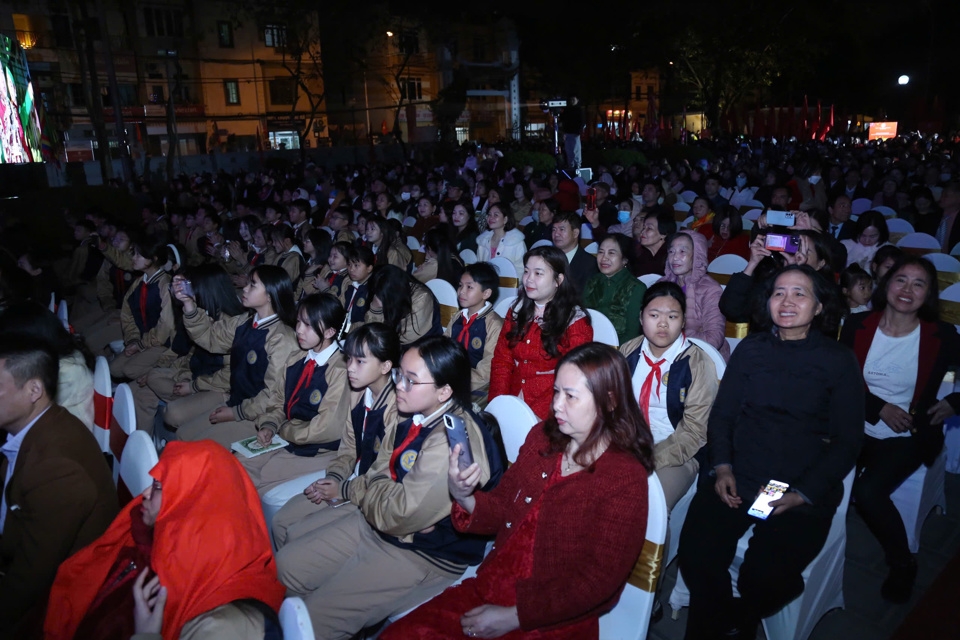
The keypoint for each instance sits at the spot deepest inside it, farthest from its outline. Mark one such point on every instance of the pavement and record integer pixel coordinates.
(866, 616)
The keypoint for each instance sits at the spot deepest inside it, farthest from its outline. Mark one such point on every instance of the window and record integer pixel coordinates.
(411, 89)
(282, 91)
(225, 34)
(75, 93)
(650, 91)
(163, 22)
(127, 92)
(638, 92)
(409, 42)
(275, 35)
(231, 91)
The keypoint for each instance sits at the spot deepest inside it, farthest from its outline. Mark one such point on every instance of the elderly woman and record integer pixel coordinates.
(904, 352)
(217, 576)
(687, 266)
(614, 291)
(584, 472)
(789, 409)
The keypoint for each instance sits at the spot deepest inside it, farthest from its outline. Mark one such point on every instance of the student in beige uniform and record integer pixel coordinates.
(259, 346)
(400, 548)
(403, 304)
(372, 351)
(316, 400)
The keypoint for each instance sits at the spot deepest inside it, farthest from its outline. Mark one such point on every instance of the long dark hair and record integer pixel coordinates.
(324, 311)
(33, 320)
(321, 242)
(214, 291)
(279, 288)
(439, 239)
(618, 415)
(381, 342)
(388, 237)
(558, 312)
(394, 287)
(930, 309)
(449, 365)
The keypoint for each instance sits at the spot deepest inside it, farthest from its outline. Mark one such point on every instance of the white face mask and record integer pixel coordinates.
(945, 177)
(813, 179)
(405, 195)
(613, 191)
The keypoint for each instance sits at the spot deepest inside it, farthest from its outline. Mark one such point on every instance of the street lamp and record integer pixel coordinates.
(903, 80)
(389, 34)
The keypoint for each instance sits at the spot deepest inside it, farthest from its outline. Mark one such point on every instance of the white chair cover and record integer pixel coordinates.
(503, 305)
(943, 262)
(681, 206)
(125, 416)
(899, 225)
(295, 620)
(920, 494)
(919, 241)
(630, 618)
(688, 196)
(714, 354)
(592, 248)
(752, 214)
(649, 279)
(886, 211)
(603, 330)
(102, 403)
(273, 500)
(409, 221)
(468, 256)
(139, 457)
(542, 243)
(413, 244)
(444, 292)
(63, 315)
(516, 419)
(860, 205)
(727, 264)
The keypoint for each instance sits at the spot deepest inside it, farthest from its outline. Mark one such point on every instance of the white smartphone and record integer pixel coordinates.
(774, 490)
(781, 218)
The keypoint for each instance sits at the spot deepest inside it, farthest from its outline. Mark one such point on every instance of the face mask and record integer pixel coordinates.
(623, 216)
(741, 182)
(313, 204)
(813, 179)
(330, 200)
(613, 191)
(535, 214)
(638, 198)
(945, 177)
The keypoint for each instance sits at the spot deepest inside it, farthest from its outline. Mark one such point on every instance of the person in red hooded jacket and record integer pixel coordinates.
(207, 556)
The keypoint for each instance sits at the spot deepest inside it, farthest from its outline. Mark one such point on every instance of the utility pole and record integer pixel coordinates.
(125, 161)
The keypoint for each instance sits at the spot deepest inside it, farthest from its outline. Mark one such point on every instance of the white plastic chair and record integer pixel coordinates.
(681, 206)
(295, 620)
(899, 225)
(727, 264)
(508, 276)
(468, 256)
(447, 297)
(823, 581)
(943, 262)
(956, 250)
(273, 500)
(503, 306)
(630, 618)
(649, 279)
(525, 221)
(918, 495)
(756, 204)
(603, 330)
(860, 205)
(886, 211)
(714, 354)
(516, 419)
(592, 248)
(53, 303)
(413, 244)
(542, 243)
(733, 342)
(919, 241)
(752, 214)
(124, 423)
(102, 403)
(63, 315)
(409, 221)
(688, 196)
(139, 457)
(951, 296)
(686, 222)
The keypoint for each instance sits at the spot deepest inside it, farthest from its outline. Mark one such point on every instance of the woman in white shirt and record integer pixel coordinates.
(502, 239)
(675, 383)
(904, 352)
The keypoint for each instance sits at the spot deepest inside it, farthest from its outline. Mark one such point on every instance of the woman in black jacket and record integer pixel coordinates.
(789, 409)
(904, 352)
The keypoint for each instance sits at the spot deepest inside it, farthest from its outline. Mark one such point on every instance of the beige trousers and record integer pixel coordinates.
(190, 416)
(273, 469)
(139, 364)
(300, 517)
(350, 578)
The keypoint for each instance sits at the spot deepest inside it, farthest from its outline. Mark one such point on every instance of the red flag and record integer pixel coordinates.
(815, 127)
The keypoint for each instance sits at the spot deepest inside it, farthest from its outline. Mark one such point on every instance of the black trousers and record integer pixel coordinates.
(884, 465)
(770, 576)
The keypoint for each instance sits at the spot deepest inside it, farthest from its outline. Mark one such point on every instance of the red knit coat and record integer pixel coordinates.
(528, 367)
(590, 531)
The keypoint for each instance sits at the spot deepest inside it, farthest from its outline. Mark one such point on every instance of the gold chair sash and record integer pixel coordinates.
(722, 278)
(509, 283)
(446, 314)
(950, 311)
(947, 278)
(647, 569)
(737, 329)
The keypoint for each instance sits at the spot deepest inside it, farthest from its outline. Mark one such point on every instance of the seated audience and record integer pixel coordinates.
(729, 236)
(403, 304)
(650, 241)
(476, 326)
(869, 234)
(502, 239)
(614, 291)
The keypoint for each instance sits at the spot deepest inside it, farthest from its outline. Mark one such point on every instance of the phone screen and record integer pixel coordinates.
(774, 490)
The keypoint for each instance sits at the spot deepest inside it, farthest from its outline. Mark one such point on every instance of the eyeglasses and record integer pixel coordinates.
(403, 382)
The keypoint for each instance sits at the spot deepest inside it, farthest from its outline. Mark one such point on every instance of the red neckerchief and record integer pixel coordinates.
(411, 435)
(305, 378)
(648, 385)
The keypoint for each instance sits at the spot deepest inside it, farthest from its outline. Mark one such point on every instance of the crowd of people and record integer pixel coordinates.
(285, 310)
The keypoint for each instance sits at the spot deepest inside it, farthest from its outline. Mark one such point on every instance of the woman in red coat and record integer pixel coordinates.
(570, 516)
(546, 322)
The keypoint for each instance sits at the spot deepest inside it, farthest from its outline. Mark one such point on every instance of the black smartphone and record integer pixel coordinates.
(457, 434)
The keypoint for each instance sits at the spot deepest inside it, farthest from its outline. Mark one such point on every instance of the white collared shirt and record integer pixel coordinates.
(660, 425)
(466, 312)
(11, 449)
(571, 254)
(419, 418)
(257, 320)
(322, 357)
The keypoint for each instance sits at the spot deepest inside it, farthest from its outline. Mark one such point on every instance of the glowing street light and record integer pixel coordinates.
(390, 35)
(903, 80)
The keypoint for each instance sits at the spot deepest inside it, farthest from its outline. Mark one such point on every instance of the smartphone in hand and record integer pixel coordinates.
(773, 490)
(457, 434)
